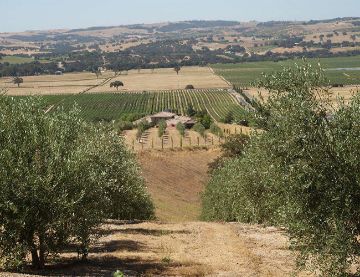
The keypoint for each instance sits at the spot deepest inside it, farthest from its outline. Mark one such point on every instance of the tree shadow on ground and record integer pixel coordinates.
(106, 266)
(140, 231)
(117, 245)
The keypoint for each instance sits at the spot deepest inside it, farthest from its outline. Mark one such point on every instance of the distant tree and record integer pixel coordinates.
(97, 72)
(161, 128)
(190, 110)
(189, 87)
(177, 69)
(229, 118)
(198, 127)
(216, 130)
(17, 81)
(116, 84)
(181, 128)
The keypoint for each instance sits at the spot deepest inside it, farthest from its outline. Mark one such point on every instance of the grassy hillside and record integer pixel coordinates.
(245, 73)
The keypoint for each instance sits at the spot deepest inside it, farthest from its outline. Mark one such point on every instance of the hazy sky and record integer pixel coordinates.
(23, 15)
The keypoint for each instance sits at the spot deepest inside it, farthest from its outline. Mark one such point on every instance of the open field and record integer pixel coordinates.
(336, 94)
(166, 79)
(175, 180)
(245, 73)
(16, 59)
(71, 83)
(110, 106)
(145, 80)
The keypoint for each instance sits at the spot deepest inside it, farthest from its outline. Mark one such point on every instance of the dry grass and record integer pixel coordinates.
(345, 93)
(182, 249)
(73, 83)
(175, 180)
(171, 140)
(166, 79)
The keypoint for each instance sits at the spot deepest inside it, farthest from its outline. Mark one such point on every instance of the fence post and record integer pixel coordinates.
(133, 144)
(172, 143)
(198, 141)
(142, 145)
(162, 143)
(181, 142)
(205, 137)
(152, 143)
(212, 140)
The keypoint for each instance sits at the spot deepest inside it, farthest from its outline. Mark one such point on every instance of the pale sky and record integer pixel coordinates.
(21, 15)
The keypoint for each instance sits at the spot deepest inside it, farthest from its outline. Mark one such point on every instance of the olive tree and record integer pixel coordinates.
(18, 80)
(161, 128)
(59, 179)
(301, 172)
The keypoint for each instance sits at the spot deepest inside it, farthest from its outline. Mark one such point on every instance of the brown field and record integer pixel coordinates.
(175, 180)
(345, 93)
(166, 79)
(72, 83)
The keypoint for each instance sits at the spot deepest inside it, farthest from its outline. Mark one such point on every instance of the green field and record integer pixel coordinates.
(112, 106)
(245, 73)
(16, 59)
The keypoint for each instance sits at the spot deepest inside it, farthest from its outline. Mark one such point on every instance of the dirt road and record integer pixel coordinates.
(182, 246)
(183, 249)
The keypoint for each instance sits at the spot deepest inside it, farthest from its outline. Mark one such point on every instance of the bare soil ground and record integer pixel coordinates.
(182, 249)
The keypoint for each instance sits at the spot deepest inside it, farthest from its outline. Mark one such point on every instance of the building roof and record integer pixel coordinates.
(163, 114)
(182, 119)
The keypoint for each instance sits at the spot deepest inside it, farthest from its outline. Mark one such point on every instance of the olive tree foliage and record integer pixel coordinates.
(162, 125)
(181, 128)
(303, 172)
(59, 179)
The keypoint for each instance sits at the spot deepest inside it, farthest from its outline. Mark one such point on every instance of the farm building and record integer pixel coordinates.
(187, 121)
(171, 119)
(156, 118)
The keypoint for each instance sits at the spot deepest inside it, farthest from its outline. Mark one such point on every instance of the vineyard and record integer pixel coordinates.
(110, 106)
(341, 70)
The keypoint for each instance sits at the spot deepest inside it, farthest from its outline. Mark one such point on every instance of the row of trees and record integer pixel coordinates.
(60, 178)
(302, 171)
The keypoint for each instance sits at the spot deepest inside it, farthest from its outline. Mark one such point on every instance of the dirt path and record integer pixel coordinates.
(182, 249)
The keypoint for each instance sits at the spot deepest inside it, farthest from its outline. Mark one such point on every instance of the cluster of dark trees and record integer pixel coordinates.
(163, 54)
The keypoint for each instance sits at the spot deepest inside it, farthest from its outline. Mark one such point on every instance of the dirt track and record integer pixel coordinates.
(182, 246)
(184, 249)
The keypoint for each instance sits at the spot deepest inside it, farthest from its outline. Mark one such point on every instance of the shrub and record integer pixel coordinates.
(229, 118)
(60, 177)
(198, 127)
(142, 127)
(216, 130)
(181, 128)
(189, 87)
(162, 128)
